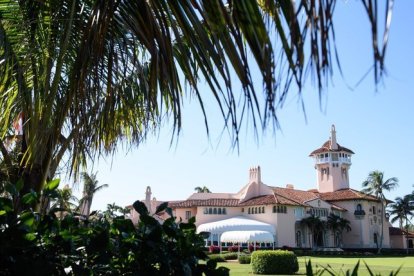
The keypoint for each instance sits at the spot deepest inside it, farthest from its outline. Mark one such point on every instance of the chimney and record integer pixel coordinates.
(290, 186)
(255, 175)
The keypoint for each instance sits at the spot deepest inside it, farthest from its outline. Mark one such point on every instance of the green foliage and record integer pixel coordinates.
(99, 245)
(274, 262)
(230, 256)
(328, 270)
(218, 258)
(244, 259)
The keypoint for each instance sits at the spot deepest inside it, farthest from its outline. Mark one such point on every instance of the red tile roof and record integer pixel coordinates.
(395, 231)
(297, 196)
(346, 194)
(268, 200)
(326, 147)
(225, 202)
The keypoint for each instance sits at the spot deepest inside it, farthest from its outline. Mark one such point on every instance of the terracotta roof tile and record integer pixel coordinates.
(268, 200)
(326, 147)
(225, 202)
(395, 231)
(298, 196)
(346, 194)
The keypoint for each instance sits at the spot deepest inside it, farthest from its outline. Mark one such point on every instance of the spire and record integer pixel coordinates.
(334, 145)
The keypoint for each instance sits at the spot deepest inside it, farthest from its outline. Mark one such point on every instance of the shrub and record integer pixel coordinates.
(214, 249)
(218, 258)
(251, 247)
(230, 256)
(234, 248)
(244, 259)
(274, 262)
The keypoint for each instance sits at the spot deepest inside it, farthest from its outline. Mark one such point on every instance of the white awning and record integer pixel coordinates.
(235, 224)
(247, 236)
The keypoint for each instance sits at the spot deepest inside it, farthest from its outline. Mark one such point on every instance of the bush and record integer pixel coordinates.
(98, 245)
(218, 258)
(244, 259)
(234, 248)
(214, 249)
(251, 247)
(230, 256)
(274, 262)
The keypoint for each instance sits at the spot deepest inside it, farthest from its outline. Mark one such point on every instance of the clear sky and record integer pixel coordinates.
(377, 124)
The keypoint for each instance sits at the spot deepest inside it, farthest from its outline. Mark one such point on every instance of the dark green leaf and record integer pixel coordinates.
(140, 208)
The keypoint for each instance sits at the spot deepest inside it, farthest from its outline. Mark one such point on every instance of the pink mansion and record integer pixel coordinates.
(264, 213)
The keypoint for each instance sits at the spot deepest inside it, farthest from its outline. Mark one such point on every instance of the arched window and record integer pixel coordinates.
(260, 210)
(210, 211)
(219, 211)
(224, 211)
(255, 210)
(374, 211)
(263, 209)
(359, 207)
(248, 210)
(274, 209)
(215, 211)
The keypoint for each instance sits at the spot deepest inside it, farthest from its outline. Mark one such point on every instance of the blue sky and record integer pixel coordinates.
(377, 124)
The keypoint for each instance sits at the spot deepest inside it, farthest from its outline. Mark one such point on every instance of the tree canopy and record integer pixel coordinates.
(79, 77)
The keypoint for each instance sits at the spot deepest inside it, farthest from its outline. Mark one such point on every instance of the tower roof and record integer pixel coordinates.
(331, 145)
(326, 147)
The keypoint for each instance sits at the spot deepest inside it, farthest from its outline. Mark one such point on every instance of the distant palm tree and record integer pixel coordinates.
(401, 209)
(375, 185)
(65, 201)
(203, 189)
(90, 187)
(314, 225)
(338, 224)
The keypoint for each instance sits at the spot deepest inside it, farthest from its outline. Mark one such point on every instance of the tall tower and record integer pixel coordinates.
(332, 163)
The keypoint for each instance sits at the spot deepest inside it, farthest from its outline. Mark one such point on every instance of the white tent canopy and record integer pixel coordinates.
(247, 236)
(236, 224)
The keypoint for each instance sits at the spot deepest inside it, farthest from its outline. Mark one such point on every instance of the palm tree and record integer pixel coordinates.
(314, 225)
(338, 224)
(203, 189)
(64, 201)
(401, 209)
(375, 185)
(78, 77)
(90, 187)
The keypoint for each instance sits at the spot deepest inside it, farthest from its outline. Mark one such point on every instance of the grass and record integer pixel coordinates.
(382, 265)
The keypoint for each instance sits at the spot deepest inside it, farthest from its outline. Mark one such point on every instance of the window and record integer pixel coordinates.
(187, 215)
(359, 207)
(298, 239)
(210, 211)
(219, 211)
(248, 210)
(278, 209)
(242, 210)
(224, 211)
(374, 211)
(205, 211)
(376, 238)
(263, 209)
(215, 211)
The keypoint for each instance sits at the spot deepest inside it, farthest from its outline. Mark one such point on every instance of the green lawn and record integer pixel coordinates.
(383, 265)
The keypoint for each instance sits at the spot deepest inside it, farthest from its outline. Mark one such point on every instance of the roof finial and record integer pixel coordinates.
(334, 145)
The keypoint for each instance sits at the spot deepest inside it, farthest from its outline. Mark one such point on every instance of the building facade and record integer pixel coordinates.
(282, 212)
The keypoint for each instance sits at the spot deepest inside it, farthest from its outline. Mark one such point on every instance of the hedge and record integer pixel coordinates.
(274, 262)
(244, 259)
